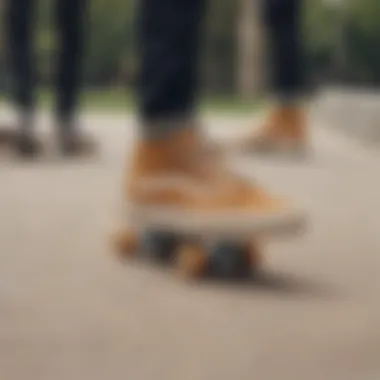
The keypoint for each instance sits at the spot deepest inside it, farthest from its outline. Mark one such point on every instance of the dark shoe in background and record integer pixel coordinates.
(23, 144)
(27, 145)
(75, 143)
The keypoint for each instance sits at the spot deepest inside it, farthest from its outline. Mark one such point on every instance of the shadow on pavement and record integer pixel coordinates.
(277, 284)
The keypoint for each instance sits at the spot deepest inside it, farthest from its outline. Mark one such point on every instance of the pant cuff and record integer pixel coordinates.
(157, 128)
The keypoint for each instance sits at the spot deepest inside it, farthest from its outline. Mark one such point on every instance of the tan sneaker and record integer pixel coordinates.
(284, 132)
(174, 184)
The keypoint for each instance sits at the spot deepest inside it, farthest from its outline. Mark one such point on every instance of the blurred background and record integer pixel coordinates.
(342, 41)
(69, 311)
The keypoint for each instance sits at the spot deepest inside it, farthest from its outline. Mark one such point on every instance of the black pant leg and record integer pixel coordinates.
(19, 33)
(282, 19)
(70, 17)
(168, 44)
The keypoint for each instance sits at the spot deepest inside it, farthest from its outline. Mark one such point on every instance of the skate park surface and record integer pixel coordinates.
(69, 310)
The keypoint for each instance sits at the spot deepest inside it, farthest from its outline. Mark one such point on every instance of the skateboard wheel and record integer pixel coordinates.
(191, 261)
(158, 246)
(125, 243)
(232, 260)
(254, 256)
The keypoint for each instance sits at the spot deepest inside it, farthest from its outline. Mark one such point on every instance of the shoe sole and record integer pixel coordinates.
(226, 225)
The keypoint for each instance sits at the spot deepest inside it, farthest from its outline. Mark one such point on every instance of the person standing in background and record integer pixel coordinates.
(70, 20)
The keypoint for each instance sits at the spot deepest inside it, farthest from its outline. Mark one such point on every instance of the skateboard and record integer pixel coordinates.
(192, 257)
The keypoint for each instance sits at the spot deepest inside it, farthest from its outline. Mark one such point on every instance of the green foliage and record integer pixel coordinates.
(343, 40)
(110, 40)
(111, 57)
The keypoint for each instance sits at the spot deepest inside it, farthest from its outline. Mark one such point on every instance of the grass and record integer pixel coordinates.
(118, 100)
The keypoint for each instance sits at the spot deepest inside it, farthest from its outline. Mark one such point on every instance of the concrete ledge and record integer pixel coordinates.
(352, 111)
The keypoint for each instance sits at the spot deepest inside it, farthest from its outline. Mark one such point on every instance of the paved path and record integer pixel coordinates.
(69, 311)
(352, 111)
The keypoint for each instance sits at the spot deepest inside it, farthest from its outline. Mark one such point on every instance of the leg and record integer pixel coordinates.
(168, 47)
(168, 40)
(285, 129)
(19, 31)
(70, 19)
(282, 20)
(20, 15)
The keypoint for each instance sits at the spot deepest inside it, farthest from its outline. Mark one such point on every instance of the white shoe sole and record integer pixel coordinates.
(226, 225)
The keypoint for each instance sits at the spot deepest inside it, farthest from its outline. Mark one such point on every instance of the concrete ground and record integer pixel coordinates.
(69, 311)
(354, 111)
